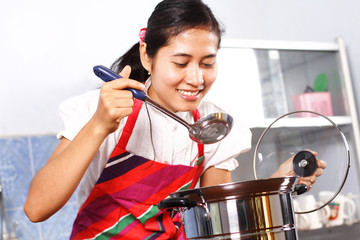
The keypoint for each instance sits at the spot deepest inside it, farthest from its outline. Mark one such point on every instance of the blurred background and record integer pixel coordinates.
(48, 49)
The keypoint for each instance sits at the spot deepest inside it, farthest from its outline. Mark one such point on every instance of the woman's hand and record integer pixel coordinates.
(286, 169)
(115, 103)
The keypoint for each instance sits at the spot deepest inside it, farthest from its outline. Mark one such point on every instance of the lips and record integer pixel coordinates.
(188, 93)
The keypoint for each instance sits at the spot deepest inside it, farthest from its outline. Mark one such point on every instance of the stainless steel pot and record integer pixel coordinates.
(259, 209)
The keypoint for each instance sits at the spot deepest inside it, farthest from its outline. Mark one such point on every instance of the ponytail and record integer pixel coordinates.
(131, 58)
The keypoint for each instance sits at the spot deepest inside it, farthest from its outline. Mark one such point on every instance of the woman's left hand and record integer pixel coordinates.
(286, 169)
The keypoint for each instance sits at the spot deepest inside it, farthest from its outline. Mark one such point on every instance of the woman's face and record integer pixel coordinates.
(183, 71)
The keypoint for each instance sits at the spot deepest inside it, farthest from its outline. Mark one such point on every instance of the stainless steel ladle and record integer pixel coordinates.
(209, 129)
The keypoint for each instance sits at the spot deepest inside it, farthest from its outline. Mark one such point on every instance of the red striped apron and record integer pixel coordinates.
(123, 202)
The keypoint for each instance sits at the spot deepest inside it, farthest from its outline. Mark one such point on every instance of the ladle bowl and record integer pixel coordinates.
(209, 129)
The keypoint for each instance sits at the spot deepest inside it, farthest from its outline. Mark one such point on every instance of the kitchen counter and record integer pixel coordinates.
(339, 232)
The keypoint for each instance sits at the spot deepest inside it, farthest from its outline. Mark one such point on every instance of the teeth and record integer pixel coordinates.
(188, 93)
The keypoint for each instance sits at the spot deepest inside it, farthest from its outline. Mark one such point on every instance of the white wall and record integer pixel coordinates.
(48, 48)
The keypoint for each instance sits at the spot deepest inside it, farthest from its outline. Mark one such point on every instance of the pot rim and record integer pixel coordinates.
(239, 190)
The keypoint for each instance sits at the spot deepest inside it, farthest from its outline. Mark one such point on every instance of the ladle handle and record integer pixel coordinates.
(108, 75)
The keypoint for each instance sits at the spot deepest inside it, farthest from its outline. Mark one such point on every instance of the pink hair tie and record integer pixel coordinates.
(142, 35)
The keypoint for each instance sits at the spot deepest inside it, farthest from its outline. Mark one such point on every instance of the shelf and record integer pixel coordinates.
(283, 45)
(334, 233)
(264, 78)
(301, 122)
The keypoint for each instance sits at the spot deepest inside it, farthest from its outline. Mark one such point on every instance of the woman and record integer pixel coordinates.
(126, 157)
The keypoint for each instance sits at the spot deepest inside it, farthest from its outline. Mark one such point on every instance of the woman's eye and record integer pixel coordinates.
(208, 64)
(180, 64)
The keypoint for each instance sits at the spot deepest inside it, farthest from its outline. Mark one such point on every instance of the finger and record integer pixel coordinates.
(313, 152)
(307, 181)
(122, 94)
(120, 84)
(318, 172)
(119, 114)
(125, 72)
(310, 179)
(123, 103)
(321, 164)
(115, 91)
(119, 108)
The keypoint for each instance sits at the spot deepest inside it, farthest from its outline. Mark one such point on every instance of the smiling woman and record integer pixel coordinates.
(123, 157)
(114, 147)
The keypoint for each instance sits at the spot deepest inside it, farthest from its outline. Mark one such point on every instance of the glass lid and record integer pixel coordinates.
(299, 134)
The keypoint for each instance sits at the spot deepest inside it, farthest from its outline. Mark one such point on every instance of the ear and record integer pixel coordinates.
(144, 57)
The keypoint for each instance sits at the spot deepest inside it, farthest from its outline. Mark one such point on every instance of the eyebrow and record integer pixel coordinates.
(188, 55)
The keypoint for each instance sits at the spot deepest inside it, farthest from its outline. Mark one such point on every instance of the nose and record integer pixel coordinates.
(195, 77)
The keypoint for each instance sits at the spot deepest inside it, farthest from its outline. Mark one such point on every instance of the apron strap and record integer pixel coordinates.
(128, 128)
(200, 161)
(196, 116)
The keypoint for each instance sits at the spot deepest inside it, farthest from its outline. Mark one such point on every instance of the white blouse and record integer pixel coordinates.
(168, 141)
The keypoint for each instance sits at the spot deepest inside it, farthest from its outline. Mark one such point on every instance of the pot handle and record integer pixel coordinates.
(300, 188)
(171, 203)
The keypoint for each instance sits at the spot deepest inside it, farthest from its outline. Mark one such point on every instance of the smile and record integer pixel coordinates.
(188, 93)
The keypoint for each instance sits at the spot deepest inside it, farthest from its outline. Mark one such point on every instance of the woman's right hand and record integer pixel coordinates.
(115, 103)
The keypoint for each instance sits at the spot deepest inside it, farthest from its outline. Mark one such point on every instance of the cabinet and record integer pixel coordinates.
(258, 81)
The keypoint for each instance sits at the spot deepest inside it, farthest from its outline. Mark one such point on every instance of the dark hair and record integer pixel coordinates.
(169, 18)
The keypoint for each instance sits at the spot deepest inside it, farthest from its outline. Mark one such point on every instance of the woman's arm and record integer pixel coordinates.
(214, 176)
(54, 184)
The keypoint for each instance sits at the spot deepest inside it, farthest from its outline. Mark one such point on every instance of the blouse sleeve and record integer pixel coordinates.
(223, 154)
(75, 112)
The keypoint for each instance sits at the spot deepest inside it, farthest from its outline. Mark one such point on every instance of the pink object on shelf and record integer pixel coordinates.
(319, 102)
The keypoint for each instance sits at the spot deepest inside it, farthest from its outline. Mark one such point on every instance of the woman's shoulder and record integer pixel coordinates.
(86, 102)
(76, 111)
(84, 98)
